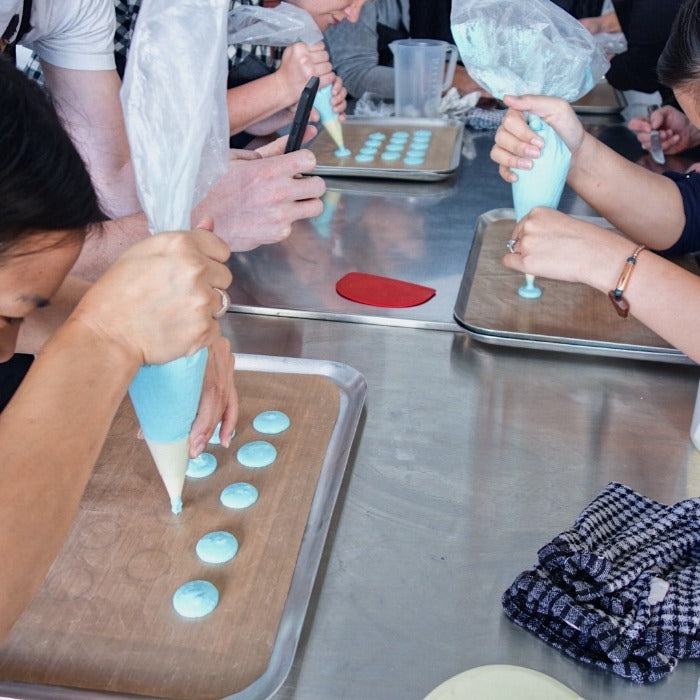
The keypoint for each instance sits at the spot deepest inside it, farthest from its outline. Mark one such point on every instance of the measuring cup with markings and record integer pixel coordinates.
(420, 75)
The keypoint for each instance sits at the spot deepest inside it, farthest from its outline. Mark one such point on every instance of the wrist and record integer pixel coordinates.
(79, 333)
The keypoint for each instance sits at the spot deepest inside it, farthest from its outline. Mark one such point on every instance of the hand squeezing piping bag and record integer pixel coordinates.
(542, 186)
(529, 48)
(174, 102)
(281, 26)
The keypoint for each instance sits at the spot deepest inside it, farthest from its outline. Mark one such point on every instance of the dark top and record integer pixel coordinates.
(430, 19)
(11, 375)
(689, 186)
(646, 25)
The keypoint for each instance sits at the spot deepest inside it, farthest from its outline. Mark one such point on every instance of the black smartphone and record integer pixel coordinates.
(301, 116)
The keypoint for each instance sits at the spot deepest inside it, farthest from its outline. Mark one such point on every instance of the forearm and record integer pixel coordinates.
(645, 206)
(103, 247)
(659, 293)
(51, 435)
(255, 101)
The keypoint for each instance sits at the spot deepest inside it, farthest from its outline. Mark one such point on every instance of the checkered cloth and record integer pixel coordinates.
(620, 589)
(481, 119)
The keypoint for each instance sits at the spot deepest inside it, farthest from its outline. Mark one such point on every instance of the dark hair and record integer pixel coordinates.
(44, 185)
(679, 63)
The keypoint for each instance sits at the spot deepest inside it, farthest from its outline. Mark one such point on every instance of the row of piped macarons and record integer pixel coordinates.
(401, 143)
(199, 597)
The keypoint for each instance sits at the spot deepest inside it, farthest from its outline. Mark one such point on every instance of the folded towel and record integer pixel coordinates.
(621, 588)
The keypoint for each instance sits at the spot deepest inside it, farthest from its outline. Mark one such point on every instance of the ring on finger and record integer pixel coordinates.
(511, 245)
(225, 303)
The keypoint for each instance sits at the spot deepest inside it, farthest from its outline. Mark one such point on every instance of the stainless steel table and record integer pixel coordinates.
(468, 458)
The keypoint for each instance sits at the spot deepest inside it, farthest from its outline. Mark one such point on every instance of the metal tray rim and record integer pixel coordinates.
(352, 386)
(552, 343)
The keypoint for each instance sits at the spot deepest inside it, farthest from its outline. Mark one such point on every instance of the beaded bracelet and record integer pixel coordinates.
(615, 295)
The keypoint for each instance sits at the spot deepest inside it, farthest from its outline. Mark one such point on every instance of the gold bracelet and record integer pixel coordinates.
(615, 295)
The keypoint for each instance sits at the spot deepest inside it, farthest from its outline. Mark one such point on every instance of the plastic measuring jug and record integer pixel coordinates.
(420, 75)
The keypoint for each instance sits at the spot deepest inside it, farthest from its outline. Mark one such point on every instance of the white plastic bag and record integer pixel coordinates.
(526, 47)
(174, 101)
(272, 26)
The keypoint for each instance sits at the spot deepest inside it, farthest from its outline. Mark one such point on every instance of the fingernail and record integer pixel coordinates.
(198, 447)
(532, 151)
(537, 141)
(524, 164)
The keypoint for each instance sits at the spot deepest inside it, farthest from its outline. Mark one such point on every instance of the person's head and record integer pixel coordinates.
(327, 12)
(47, 202)
(678, 66)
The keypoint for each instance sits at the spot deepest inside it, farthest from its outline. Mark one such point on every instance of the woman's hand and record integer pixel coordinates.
(676, 132)
(339, 96)
(219, 400)
(557, 246)
(517, 145)
(300, 62)
(159, 298)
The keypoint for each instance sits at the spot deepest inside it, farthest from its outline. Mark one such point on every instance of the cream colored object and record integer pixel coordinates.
(171, 460)
(502, 682)
(335, 130)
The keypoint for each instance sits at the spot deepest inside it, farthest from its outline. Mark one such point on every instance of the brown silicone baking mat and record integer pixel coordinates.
(442, 156)
(602, 99)
(104, 619)
(567, 317)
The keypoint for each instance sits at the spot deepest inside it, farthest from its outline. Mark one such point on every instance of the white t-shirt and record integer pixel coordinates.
(76, 34)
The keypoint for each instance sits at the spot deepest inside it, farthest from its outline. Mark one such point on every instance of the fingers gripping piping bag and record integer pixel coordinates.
(174, 101)
(281, 26)
(530, 48)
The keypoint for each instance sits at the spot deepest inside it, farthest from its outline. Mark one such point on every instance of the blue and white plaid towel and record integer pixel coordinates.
(620, 589)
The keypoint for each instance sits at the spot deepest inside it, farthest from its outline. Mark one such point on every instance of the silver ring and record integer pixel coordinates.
(511, 245)
(225, 303)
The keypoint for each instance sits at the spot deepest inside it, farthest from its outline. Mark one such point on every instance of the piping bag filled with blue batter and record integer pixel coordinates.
(174, 101)
(281, 26)
(530, 48)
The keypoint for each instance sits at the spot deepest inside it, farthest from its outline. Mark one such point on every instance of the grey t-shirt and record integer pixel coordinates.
(353, 48)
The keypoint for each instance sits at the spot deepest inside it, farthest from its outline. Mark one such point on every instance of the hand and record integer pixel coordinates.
(261, 195)
(676, 132)
(555, 245)
(517, 145)
(158, 299)
(219, 400)
(605, 24)
(339, 96)
(300, 62)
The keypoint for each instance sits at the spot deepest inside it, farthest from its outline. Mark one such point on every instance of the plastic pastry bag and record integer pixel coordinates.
(174, 101)
(536, 48)
(281, 26)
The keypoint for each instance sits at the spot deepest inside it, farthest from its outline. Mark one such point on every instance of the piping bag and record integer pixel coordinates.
(174, 102)
(281, 26)
(532, 48)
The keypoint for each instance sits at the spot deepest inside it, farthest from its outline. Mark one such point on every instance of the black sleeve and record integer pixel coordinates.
(689, 186)
(646, 25)
(11, 375)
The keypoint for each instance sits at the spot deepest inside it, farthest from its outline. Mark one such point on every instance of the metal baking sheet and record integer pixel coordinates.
(602, 99)
(566, 318)
(102, 626)
(442, 158)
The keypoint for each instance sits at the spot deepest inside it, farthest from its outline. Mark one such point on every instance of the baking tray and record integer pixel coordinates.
(102, 626)
(442, 158)
(566, 318)
(602, 99)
